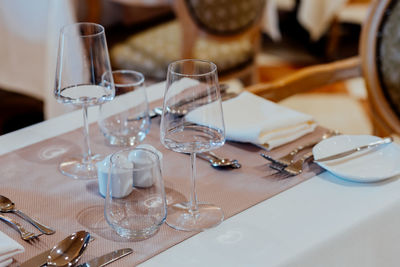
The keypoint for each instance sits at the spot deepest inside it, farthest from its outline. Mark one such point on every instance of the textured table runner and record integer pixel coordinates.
(30, 177)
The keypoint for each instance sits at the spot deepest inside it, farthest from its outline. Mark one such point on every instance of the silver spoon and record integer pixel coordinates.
(6, 205)
(218, 162)
(69, 250)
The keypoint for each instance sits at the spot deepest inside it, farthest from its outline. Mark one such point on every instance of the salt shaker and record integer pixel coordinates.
(139, 159)
(122, 180)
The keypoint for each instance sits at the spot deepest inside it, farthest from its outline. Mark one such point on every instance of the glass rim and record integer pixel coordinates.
(79, 24)
(140, 81)
(212, 64)
(137, 169)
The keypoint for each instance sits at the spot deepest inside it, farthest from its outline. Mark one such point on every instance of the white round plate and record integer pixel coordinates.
(370, 165)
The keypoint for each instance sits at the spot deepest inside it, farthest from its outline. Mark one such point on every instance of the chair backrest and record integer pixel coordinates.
(380, 54)
(225, 17)
(378, 62)
(222, 21)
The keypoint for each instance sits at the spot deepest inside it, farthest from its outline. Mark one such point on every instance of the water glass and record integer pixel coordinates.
(125, 121)
(135, 203)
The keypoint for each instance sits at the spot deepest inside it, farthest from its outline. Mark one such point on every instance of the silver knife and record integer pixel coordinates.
(107, 258)
(383, 141)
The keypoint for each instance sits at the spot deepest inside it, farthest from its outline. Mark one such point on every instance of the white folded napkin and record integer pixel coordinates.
(8, 248)
(253, 119)
(250, 118)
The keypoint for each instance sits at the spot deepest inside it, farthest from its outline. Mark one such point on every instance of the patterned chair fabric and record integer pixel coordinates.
(225, 16)
(151, 51)
(388, 60)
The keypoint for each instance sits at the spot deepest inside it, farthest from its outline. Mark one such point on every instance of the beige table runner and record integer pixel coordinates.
(31, 179)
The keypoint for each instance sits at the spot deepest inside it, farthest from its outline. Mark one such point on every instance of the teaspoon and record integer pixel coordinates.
(218, 162)
(6, 205)
(69, 250)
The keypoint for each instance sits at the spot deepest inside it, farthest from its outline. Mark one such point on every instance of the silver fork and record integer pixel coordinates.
(297, 167)
(275, 164)
(294, 168)
(25, 235)
(289, 158)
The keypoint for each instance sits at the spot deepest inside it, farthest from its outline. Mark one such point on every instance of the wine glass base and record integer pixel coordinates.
(207, 216)
(76, 168)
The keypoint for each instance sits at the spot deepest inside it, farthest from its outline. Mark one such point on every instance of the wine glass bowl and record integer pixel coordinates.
(192, 85)
(81, 63)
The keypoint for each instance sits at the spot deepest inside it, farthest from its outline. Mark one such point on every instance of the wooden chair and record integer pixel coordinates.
(222, 21)
(378, 63)
(225, 32)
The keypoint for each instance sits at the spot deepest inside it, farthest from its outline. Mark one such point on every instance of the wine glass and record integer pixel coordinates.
(192, 122)
(82, 66)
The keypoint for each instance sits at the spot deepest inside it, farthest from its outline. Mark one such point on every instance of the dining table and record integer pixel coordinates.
(321, 221)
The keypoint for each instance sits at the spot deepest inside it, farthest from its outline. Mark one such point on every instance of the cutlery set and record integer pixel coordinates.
(68, 252)
(290, 168)
(6, 205)
(287, 165)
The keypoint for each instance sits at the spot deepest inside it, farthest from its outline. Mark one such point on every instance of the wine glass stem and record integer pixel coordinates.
(193, 208)
(87, 153)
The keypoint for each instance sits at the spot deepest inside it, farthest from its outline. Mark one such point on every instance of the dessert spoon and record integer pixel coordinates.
(6, 205)
(69, 250)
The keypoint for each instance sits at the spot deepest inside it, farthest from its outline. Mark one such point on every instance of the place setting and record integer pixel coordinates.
(355, 158)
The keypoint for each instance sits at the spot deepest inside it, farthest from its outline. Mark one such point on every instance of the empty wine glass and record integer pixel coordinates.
(192, 122)
(82, 63)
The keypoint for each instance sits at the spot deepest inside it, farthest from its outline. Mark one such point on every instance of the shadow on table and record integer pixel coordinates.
(93, 219)
(341, 181)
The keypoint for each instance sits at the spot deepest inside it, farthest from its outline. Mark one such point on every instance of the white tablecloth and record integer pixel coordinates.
(324, 221)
